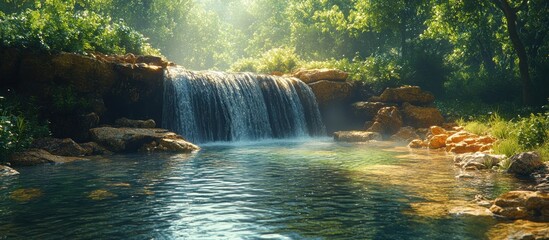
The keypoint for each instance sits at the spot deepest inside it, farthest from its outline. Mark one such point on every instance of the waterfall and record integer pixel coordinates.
(215, 106)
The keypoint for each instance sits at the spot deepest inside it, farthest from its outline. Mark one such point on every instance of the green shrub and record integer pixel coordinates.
(19, 126)
(65, 102)
(55, 26)
(476, 127)
(278, 60)
(508, 147)
(378, 72)
(532, 132)
(282, 59)
(245, 65)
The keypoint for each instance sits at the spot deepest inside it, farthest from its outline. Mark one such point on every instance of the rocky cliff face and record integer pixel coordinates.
(70, 87)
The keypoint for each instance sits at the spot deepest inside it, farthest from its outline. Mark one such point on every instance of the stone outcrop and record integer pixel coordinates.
(61, 147)
(477, 161)
(388, 121)
(112, 87)
(356, 136)
(366, 111)
(520, 230)
(522, 205)
(6, 171)
(524, 164)
(93, 149)
(130, 123)
(145, 139)
(405, 134)
(329, 91)
(405, 94)
(413, 103)
(315, 75)
(35, 156)
(454, 141)
(421, 117)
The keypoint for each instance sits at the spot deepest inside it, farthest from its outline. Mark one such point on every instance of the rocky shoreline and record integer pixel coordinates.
(128, 136)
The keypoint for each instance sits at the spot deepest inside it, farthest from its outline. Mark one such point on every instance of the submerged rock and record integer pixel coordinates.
(421, 117)
(101, 194)
(134, 139)
(520, 230)
(315, 75)
(405, 94)
(356, 136)
(522, 205)
(524, 164)
(7, 171)
(35, 156)
(25, 195)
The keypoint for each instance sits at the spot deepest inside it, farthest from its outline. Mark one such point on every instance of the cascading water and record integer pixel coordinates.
(216, 106)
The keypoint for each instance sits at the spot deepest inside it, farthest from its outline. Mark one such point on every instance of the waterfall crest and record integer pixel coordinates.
(215, 106)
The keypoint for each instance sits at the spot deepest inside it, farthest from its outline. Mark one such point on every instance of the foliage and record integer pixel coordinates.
(19, 126)
(532, 132)
(476, 128)
(379, 72)
(477, 110)
(282, 59)
(57, 26)
(65, 101)
(453, 48)
(516, 135)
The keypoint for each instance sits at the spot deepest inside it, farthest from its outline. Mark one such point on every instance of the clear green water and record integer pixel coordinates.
(309, 189)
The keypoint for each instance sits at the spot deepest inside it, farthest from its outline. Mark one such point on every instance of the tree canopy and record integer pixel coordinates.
(489, 49)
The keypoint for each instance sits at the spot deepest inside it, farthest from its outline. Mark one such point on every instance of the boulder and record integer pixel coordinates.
(477, 161)
(409, 94)
(416, 143)
(524, 164)
(388, 121)
(459, 137)
(436, 130)
(130, 123)
(315, 75)
(437, 141)
(522, 205)
(405, 134)
(133, 139)
(356, 136)
(519, 230)
(35, 156)
(7, 171)
(421, 117)
(93, 148)
(61, 147)
(327, 91)
(366, 111)
(175, 145)
(463, 147)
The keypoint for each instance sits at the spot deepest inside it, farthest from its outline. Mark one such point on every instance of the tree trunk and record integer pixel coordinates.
(511, 18)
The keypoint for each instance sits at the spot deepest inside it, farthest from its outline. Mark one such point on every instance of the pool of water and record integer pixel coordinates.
(291, 189)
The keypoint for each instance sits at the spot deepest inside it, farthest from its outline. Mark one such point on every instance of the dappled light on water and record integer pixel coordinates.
(279, 189)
